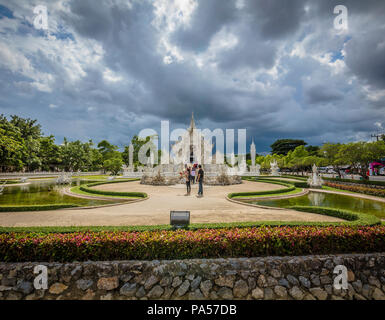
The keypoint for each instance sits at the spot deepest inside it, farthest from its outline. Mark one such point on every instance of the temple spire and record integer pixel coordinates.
(192, 123)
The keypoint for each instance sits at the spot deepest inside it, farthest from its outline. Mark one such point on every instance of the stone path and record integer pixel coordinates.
(213, 207)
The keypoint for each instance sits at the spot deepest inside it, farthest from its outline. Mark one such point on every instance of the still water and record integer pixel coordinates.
(376, 208)
(45, 192)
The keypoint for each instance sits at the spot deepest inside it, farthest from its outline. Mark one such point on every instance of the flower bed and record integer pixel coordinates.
(367, 183)
(181, 244)
(359, 189)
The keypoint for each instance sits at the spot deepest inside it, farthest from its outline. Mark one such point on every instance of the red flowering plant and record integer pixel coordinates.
(181, 244)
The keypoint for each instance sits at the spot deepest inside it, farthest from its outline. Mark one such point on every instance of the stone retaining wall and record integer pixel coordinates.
(298, 278)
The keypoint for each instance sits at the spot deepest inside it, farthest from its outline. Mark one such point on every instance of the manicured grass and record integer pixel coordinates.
(296, 190)
(88, 189)
(103, 176)
(77, 190)
(289, 188)
(42, 207)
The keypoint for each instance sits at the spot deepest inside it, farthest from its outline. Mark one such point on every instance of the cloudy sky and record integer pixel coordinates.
(107, 69)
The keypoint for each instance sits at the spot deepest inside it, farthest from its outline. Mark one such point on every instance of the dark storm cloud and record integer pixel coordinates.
(209, 17)
(366, 57)
(321, 94)
(276, 80)
(275, 18)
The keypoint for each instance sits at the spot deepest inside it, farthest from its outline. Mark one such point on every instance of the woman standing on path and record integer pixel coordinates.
(200, 181)
(188, 179)
(193, 172)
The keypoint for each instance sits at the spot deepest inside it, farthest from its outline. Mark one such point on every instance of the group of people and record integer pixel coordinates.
(194, 174)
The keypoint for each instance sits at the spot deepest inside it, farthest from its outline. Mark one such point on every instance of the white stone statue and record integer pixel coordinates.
(315, 180)
(274, 169)
(64, 178)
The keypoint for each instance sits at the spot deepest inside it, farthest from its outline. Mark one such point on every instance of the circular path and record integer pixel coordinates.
(213, 207)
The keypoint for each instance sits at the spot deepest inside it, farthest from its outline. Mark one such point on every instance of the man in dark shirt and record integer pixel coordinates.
(200, 177)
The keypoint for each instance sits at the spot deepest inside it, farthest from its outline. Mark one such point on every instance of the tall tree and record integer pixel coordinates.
(283, 146)
(107, 149)
(330, 151)
(360, 154)
(12, 146)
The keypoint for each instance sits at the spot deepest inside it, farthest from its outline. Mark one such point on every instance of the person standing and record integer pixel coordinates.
(200, 177)
(188, 181)
(193, 172)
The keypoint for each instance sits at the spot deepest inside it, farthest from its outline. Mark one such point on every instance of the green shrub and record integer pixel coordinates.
(295, 177)
(255, 193)
(301, 184)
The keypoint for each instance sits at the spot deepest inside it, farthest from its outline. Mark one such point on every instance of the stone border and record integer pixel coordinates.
(259, 278)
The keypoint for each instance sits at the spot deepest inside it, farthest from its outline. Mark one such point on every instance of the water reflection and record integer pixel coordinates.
(316, 198)
(376, 208)
(45, 192)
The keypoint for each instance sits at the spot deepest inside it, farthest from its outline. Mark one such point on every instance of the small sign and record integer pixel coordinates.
(179, 219)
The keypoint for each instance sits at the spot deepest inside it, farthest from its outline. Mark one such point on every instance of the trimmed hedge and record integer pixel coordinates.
(255, 193)
(87, 188)
(299, 184)
(42, 207)
(300, 178)
(359, 189)
(183, 244)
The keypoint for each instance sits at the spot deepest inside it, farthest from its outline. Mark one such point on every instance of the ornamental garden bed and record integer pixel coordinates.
(185, 244)
(357, 188)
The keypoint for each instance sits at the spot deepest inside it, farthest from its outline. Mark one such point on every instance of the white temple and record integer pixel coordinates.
(191, 148)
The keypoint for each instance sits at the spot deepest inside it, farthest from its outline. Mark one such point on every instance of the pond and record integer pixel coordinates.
(376, 208)
(45, 192)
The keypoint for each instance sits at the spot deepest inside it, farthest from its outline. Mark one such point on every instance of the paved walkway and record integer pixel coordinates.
(213, 207)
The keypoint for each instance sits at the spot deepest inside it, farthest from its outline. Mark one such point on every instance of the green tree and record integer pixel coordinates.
(11, 146)
(27, 127)
(313, 150)
(330, 152)
(137, 144)
(283, 146)
(360, 154)
(107, 149)
(49, 154)
(113, 165)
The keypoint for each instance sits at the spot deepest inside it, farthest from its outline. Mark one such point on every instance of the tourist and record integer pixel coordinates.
(193, 171)
(200, 177)
(188, 179)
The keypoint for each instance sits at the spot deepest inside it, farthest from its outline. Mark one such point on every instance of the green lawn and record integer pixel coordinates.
(81, 192)
(296, 190)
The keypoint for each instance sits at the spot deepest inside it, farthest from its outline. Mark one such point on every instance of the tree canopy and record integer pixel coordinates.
(283, 146)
